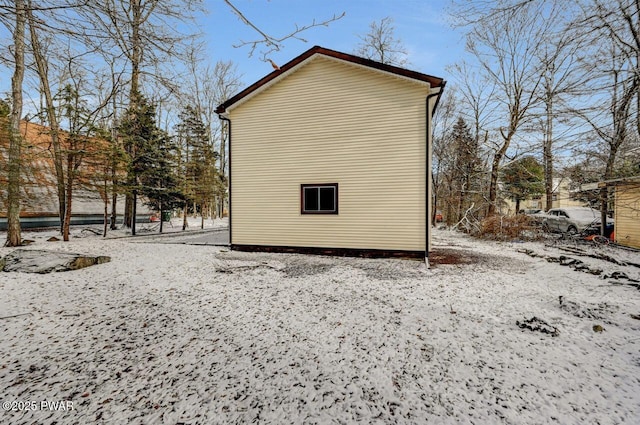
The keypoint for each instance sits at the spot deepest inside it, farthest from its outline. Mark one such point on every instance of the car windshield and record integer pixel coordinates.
(584, 214)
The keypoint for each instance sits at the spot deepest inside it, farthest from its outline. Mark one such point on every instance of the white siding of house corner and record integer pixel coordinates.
(331, 123)
(627, 215)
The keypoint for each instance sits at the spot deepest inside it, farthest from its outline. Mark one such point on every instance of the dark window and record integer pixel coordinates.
(319, 198)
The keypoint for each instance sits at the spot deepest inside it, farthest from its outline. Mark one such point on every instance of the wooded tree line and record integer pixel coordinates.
(549, 89)
(118, 72)
(131, 74)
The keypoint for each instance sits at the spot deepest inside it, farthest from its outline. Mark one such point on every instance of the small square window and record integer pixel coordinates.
(319, 198)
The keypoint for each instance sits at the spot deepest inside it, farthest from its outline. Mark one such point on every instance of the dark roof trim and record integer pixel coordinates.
(433, 81)
(620, 181)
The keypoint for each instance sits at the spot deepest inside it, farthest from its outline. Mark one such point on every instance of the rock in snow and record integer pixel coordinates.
(37, 261)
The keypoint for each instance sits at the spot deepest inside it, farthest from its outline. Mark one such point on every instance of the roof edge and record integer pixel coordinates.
(619, 181)
(434, 82)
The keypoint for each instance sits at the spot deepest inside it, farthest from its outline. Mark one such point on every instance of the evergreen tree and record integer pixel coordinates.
(159, 182)
(523, 179)
(200, 176)
(466, 165)
(151, 167)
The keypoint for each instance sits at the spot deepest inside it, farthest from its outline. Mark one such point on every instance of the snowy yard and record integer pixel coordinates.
(168, 334)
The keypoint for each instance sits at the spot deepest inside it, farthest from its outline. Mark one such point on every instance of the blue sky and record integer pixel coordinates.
(421, 25)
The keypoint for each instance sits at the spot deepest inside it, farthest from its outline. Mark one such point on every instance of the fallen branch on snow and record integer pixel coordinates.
(15, 315)
(577, 265)
(583, 253)
(538, 325)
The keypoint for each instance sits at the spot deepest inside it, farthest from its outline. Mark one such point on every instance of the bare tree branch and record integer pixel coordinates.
(380, 44)
(273, 43)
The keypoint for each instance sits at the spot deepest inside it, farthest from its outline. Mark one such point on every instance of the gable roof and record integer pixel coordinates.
(434, 82)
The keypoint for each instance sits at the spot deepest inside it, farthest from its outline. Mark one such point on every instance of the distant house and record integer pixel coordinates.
(627, 210)
(39, 199)
(331, 154)
(561, 197)
(38, 183)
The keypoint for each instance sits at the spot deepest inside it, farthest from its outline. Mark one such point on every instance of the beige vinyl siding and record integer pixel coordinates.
(331, 122)
(627, 214)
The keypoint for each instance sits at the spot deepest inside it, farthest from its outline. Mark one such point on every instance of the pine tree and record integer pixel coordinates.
(159, 181)
(151, 168)
(200, 176)
(466, 165)
(523, 179)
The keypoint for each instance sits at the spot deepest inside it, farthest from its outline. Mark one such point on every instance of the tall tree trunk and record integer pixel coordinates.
(106, 218)
(134, 212)
(74, 159)
(114, 200)
(548, 155)
(462, 196)
(14, 237)
(105, 199)
(497, 160)
(67, 214)
(223, 164)
(114, 162)
(604, 191)
(134, 95)
(493, 183)
(185, 224)
(41, 67)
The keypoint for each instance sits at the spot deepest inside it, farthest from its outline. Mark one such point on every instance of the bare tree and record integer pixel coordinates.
(144, 32)
(42, 68)
(14, 237)
(67, 159)
(226, 81)
(465, 185)
(211, 86)
(614, 78)
(271, 42)
(559, 59)
(504, 43)
(443, 120)
(382, 45)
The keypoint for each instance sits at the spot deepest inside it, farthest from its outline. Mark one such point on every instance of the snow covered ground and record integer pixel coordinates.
(194, 224)
(168, 334)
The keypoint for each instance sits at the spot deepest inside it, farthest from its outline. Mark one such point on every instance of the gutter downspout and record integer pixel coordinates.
(427, 223)
(223, 118)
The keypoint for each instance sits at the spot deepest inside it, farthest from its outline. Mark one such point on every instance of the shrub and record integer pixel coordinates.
(519, 226)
